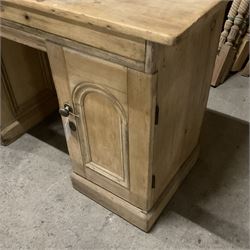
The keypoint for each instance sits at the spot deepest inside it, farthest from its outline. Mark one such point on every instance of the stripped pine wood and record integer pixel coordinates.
(37, 39)
(181, 112)
(142, 219)
(229, 22)
(238, 21)
(28, 92)
(132, 80)
(154, 21)
(242, 54)
(59, 72)
(126, 88)
(242, 31)
(109, 42)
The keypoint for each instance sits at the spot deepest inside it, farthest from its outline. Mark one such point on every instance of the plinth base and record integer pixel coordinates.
(142, 219)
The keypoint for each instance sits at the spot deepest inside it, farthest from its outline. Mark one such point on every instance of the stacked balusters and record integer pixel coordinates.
(233, 50)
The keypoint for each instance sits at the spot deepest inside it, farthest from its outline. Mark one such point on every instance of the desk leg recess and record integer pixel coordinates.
(27, 89)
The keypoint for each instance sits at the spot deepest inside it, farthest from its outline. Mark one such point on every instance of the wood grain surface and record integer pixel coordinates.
(162, 21)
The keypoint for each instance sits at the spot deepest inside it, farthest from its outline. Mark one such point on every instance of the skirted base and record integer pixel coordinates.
(142, 219)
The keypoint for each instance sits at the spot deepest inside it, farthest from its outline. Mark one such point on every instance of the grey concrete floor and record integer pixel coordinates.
(232, 97)
(39, 209)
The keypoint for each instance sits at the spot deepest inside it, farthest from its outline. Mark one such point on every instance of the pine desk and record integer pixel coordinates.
(132, 80)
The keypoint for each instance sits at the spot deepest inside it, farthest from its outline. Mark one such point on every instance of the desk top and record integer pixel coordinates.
(162, 21)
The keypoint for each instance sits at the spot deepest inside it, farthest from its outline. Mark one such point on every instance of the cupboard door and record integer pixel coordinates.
(102, 128)
(111, 119)
(99, 99)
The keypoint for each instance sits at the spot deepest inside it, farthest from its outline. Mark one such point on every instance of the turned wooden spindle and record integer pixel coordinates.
(227, 52)
(242, 32)
(243, 52)
(229, 22)
(238, 21)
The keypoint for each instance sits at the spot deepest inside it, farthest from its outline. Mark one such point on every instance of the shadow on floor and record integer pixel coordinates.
(215, 195)
(51, 132)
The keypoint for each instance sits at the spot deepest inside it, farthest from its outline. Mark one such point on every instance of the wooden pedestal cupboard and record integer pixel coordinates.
(132, 80)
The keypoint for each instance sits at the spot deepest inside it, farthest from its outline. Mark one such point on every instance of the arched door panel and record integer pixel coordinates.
(102, 128)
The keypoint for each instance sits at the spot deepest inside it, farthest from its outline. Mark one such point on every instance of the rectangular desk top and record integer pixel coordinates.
(161, 21)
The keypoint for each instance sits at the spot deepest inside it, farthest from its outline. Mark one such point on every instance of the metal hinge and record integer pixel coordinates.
(157, 110)
(153, 181)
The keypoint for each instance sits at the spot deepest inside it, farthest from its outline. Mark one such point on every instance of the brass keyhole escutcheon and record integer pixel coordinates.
(72, 126)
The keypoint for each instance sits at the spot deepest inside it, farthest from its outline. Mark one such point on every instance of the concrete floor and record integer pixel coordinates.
(39, 209)
(232, 98)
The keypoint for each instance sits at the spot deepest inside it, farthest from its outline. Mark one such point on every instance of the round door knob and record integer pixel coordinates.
(65, 110)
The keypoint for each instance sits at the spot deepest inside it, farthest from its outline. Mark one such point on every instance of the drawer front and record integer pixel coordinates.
(82, 67)
(131, 48)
